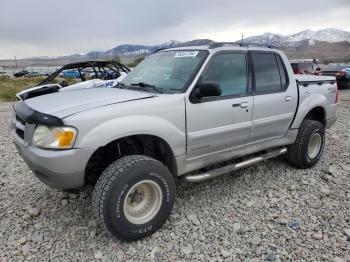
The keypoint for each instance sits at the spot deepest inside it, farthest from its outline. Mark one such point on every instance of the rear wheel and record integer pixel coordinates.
(134, 197)
(308, 146)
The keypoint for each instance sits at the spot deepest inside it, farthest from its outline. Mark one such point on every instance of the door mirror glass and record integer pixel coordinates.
(208, 88)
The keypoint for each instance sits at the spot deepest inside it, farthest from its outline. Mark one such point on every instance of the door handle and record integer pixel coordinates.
(288, 98)
(242, 105)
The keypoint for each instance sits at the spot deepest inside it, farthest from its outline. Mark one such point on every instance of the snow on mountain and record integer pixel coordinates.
(303, 35)
(128, 49)
(170, 43)
(330, 35)
(299, 41)
(306, 37)
(266, 38)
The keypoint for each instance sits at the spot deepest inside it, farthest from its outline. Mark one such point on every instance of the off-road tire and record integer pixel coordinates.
(113, 186)
(297, 154)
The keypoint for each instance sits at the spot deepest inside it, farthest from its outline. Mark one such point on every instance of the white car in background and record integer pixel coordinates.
(3, 73)
(87, 74)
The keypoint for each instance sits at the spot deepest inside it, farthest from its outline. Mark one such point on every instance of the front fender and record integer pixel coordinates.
(309, 102)
(135, 125)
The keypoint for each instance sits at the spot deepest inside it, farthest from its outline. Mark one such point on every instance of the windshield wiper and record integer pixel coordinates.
(153, 87)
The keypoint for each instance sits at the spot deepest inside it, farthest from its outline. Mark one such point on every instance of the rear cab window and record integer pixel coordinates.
(295, 67)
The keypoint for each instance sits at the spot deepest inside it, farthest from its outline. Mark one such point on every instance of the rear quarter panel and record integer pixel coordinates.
(316, 95)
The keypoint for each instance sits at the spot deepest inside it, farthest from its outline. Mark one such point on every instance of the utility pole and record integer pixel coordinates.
(16, 61)
(242, 39)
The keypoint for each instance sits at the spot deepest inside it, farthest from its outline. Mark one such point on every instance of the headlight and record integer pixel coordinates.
(54, 137)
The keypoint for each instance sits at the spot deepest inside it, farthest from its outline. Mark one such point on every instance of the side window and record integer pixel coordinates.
(230, 71)
(309, 68)
(267, 75)
(283, 73)
(303, 68)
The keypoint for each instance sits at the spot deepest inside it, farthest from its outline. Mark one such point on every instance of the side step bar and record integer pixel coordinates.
(227, 169)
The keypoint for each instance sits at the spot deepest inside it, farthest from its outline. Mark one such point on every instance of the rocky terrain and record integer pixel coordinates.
(267, 212)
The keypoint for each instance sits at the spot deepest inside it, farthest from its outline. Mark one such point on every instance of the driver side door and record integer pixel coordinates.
(218, 127)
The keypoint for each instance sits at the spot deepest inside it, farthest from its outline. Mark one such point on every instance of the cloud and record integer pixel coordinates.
(38, 28)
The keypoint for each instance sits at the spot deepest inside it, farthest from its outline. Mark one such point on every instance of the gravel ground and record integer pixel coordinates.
(267, 212)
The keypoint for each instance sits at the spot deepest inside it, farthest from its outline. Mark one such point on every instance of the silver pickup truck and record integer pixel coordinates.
(180, 110)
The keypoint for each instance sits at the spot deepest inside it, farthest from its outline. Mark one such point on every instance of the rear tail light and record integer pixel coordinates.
(341, 73)
(337, 94)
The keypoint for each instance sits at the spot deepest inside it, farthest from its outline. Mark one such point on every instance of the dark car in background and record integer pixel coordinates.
(21, 73)
(341, 72)
(305, 66)
(34, 74)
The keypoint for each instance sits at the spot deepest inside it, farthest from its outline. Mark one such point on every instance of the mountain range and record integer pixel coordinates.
(306, 38)
(330, 35)
(330, 45)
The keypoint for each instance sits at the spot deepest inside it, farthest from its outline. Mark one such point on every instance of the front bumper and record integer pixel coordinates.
(61, 169)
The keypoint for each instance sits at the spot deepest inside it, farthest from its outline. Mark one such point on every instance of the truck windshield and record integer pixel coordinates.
(167, 71)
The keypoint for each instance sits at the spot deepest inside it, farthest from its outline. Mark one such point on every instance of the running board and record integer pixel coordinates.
(227, 169)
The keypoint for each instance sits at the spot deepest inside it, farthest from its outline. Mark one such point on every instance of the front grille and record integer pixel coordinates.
(18, 119)
(19, 126)
(20, 133)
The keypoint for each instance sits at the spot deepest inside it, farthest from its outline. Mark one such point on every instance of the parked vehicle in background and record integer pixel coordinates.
(87, 75)
(72, 74)
(33, 74)
(341, 72)
(3, 73)
(21, 73)
(343, 78)
(305, 66)
(180, 110)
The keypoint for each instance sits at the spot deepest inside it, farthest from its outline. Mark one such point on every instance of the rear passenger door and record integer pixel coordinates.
(275, 99)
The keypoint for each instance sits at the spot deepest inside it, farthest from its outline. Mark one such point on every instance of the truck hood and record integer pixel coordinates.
(63, 104)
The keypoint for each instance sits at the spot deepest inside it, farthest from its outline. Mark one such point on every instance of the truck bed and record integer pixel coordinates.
(315, 79)
(318, 91)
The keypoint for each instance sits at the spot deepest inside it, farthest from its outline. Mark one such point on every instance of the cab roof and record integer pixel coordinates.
(215, 46)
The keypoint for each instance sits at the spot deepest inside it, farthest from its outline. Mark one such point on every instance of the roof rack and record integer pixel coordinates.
(220, 44)
(160, 49)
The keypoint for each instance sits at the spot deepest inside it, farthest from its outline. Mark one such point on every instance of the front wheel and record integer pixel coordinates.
(134, 197)
(308, 146)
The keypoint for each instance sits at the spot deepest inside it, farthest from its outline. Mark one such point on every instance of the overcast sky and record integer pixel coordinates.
(60, 27)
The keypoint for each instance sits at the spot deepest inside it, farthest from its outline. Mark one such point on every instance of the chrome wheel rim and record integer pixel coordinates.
(142, 202)
(314, 145)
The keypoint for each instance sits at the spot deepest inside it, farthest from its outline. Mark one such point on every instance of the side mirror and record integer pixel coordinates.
(318, 69)
(208, 88)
